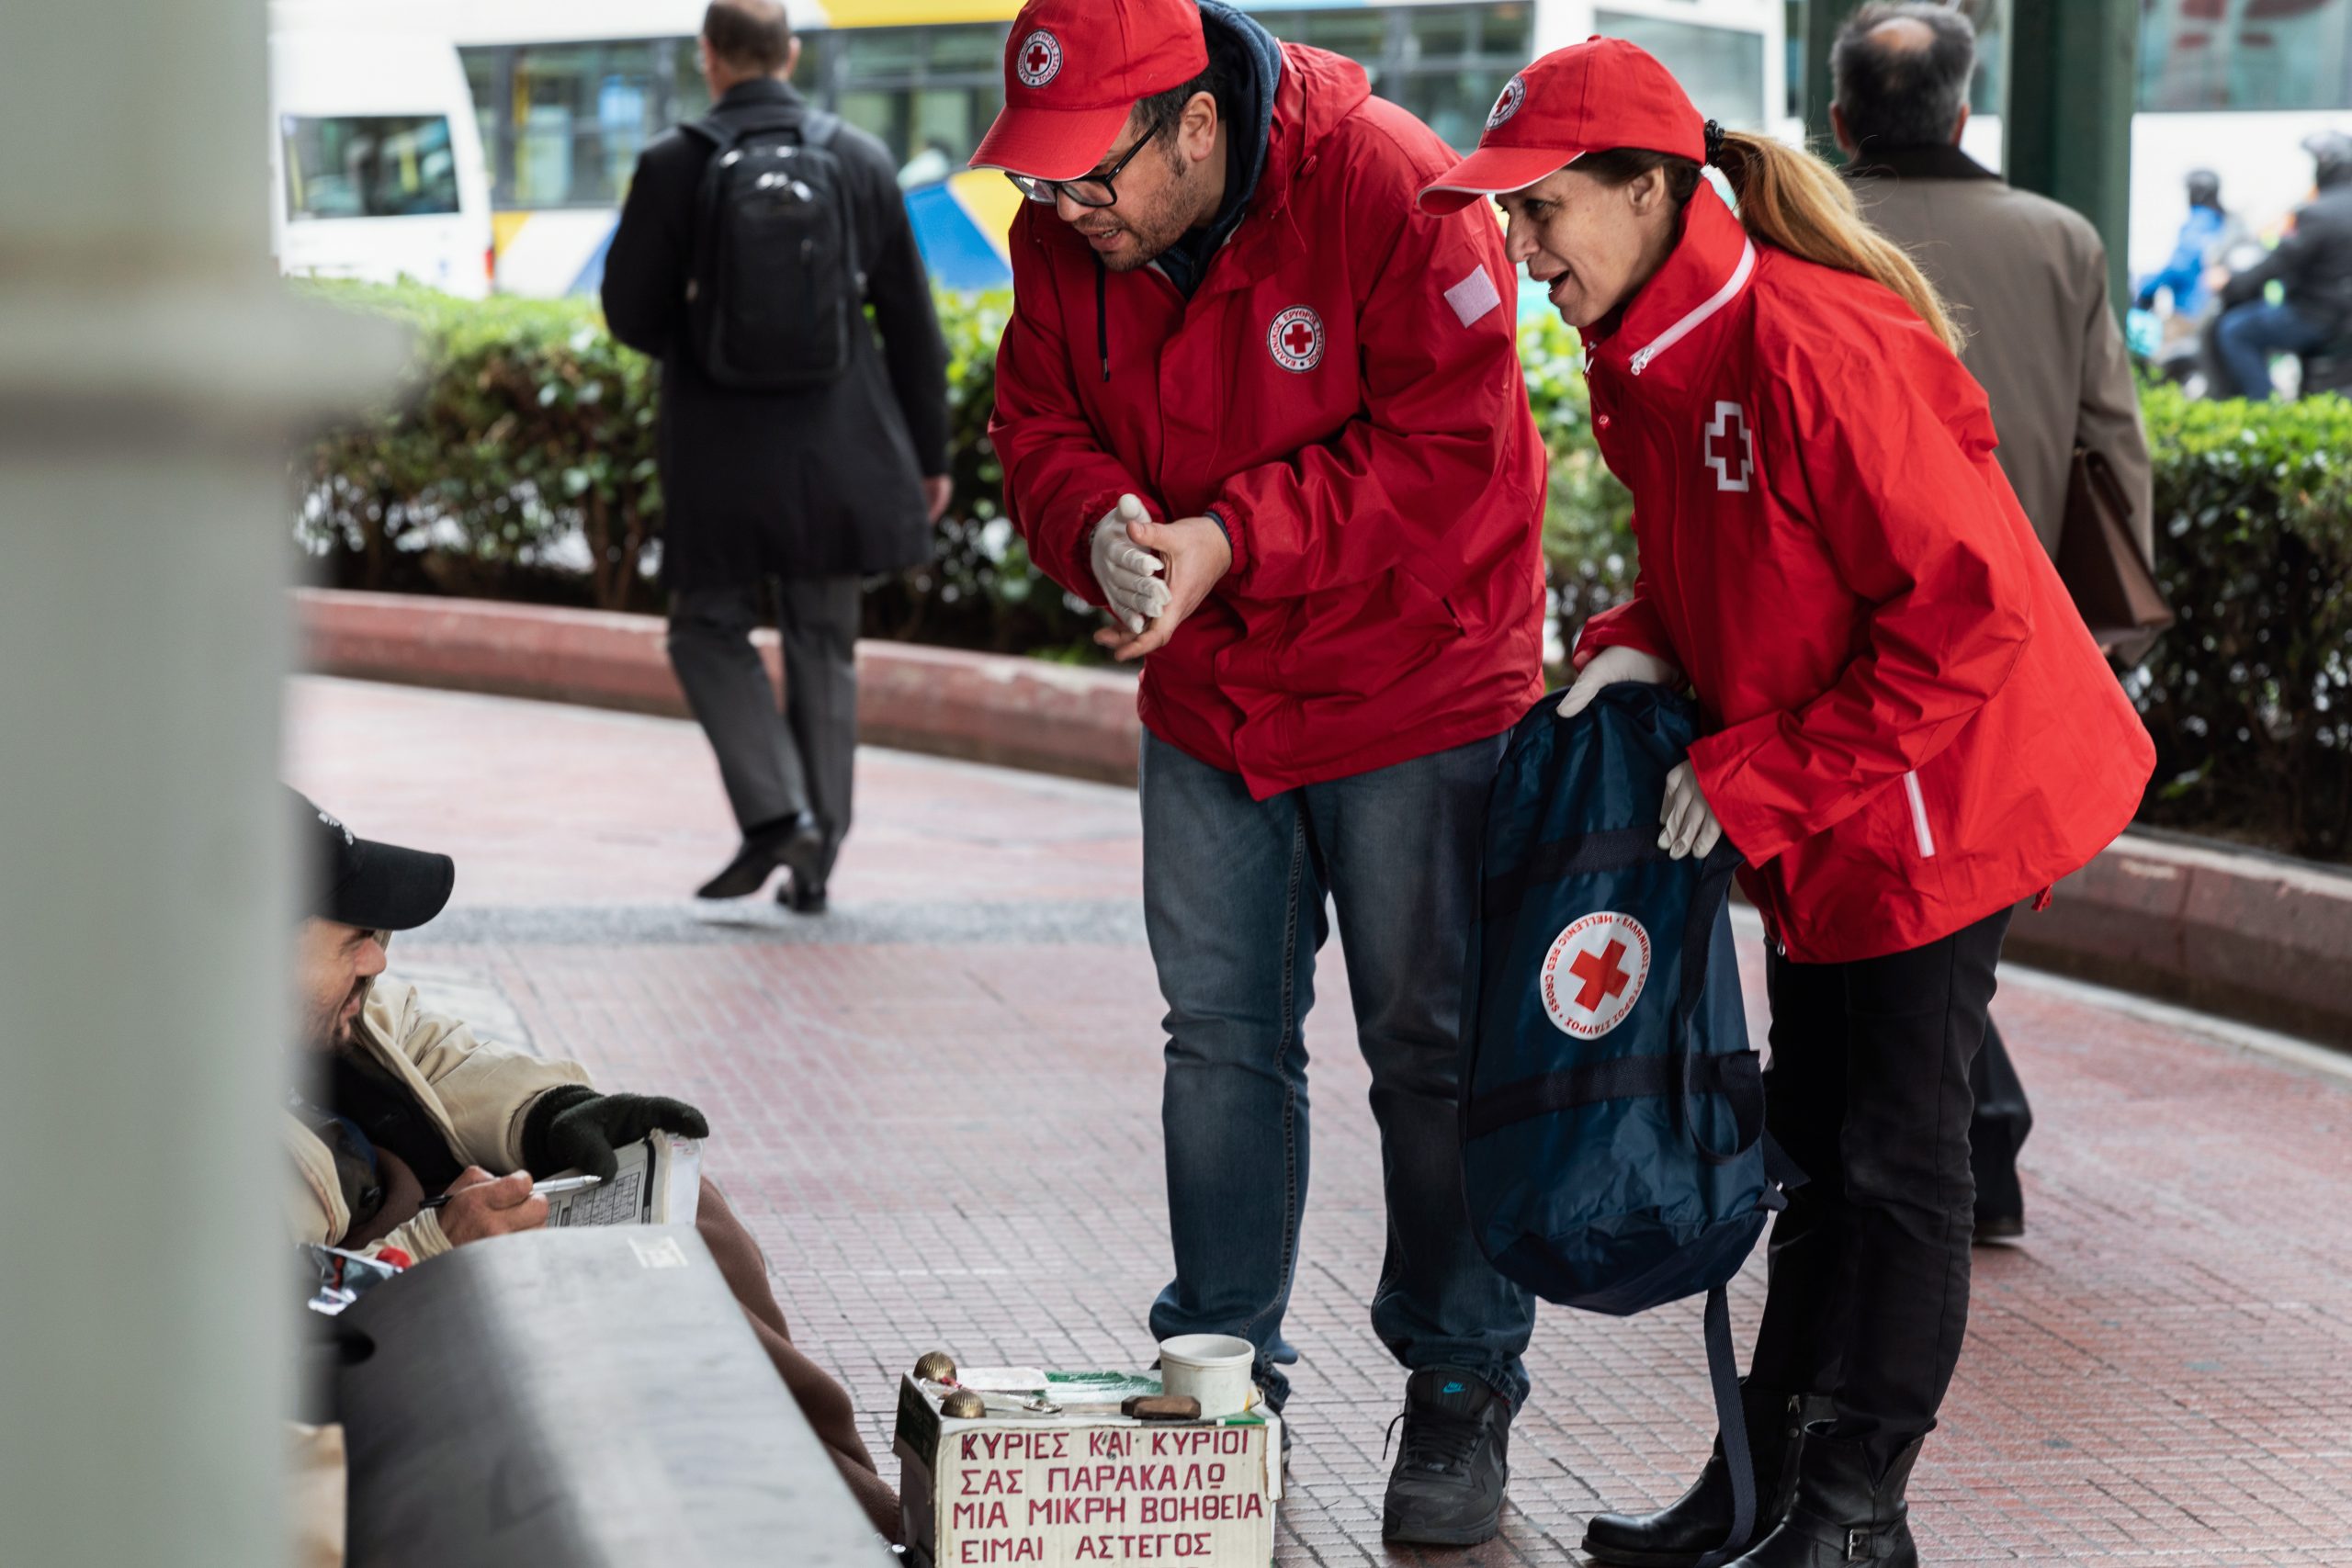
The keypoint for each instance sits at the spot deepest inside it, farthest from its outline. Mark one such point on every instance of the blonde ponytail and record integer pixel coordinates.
(1790, 199)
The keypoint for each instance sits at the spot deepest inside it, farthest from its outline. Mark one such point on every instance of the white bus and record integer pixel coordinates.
(375, 162)
(566, 95)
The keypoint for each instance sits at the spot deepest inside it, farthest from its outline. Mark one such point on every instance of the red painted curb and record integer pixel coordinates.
(2255, 936)
(1021, 713)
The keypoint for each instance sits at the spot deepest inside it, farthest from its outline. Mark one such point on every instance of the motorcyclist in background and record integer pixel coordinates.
(2312, 266)
(2206, 235)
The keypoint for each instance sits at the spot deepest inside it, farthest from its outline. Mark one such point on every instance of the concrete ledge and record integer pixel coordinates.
(2251, 935)
(2256, 936)
(1021, 713)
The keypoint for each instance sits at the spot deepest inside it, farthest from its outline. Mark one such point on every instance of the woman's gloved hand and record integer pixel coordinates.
(575, 1126)
(1687, 824)
(1610, 666)
(1130, 575)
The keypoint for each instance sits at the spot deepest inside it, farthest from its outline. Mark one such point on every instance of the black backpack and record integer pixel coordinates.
(777, 290)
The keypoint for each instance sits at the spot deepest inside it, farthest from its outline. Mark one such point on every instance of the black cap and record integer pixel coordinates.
(358, 882)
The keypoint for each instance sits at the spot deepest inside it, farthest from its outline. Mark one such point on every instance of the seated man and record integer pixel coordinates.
(403, 1103)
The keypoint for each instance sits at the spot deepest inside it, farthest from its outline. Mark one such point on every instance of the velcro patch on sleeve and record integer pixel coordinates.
(1473, 296)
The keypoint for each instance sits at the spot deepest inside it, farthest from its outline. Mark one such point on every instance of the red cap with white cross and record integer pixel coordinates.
(1593, 97)
(1073, 69)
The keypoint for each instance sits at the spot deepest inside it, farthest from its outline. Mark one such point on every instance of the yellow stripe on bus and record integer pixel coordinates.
(917, 13)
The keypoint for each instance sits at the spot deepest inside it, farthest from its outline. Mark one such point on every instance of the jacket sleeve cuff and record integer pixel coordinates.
(1720, 762)
(1227, 517)
(421, 1238)
(1630, 624)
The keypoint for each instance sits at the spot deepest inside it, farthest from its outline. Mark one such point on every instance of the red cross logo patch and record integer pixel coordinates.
(1594, 973)
(1513, 95)
(1297, 339)
(1040, 58)
(1731, 447)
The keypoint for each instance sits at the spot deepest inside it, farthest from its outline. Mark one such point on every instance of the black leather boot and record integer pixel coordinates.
(1683, 1532)
(1843, 1515)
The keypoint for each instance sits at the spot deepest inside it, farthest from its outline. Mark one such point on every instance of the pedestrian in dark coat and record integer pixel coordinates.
(814, 489)
(2026, 279)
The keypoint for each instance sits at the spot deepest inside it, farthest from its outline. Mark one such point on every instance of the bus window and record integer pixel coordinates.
(1445, 63)
(2290, 54)
(1721, 68)
(368, 166)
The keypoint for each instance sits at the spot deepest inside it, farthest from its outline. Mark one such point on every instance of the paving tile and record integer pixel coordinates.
(940, 1115)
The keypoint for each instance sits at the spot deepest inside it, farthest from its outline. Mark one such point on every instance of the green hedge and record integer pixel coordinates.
(521, 466)
(2249, 697)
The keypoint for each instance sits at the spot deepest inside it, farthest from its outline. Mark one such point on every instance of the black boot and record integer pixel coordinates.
(1842, 1514)
(1686, 1530)
(797, 843)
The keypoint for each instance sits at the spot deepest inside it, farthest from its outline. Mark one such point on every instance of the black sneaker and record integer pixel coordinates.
(1447, 1487)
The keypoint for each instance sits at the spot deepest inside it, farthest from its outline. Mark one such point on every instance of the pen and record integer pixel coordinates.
(546, 1189)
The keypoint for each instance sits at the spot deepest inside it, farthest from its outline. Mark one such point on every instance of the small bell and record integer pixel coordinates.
(963, 1404)
(936, 1366)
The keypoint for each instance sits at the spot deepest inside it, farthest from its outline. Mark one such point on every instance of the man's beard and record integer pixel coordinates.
(1150, 237)
(332, 1030)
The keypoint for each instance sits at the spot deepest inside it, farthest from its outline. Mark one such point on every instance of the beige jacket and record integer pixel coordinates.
(478, 1095)
(2026, 282)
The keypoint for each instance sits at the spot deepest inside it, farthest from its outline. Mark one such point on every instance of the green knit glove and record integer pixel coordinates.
(575, 1126)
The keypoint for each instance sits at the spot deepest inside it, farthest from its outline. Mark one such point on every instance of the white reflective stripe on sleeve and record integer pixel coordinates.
(1919, 815)
(1474, 297)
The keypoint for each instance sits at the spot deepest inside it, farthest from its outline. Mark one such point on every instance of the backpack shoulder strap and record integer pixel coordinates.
(819, 128)
(711, 129)
(1731, 1426)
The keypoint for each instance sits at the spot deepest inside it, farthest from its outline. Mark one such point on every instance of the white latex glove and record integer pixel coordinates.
(1687, 823)
(1129, 573)
(1611, 665)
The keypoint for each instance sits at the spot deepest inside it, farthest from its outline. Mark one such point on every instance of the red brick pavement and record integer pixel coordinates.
(939, 1111)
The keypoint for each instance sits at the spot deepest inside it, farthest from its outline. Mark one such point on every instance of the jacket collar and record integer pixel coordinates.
(1316, 91)
(1710, 267)
(759, 90)
(1938, 161)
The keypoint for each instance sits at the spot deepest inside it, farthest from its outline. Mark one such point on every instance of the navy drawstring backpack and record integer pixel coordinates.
(1612, 1113)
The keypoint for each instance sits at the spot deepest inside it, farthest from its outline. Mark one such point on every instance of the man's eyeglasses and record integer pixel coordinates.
(1092, 190)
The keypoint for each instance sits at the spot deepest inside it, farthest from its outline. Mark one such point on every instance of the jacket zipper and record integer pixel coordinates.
(1690, 324)
(1919, 815)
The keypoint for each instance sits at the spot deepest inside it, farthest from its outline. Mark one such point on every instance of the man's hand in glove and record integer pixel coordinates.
(1687, 824)
(1130, 575)
(1609, 666)
(1198, 555)
(575, 1126)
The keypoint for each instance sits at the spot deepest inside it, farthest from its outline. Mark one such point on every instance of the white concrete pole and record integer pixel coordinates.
(151, 369)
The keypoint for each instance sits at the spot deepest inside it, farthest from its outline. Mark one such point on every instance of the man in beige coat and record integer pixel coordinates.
(2026, 278)
(401, 1102)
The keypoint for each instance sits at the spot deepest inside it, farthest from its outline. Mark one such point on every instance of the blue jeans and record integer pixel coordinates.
(1233, 902)
(2248, 334)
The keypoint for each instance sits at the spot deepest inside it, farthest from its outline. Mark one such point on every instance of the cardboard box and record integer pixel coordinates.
(1083, 1485)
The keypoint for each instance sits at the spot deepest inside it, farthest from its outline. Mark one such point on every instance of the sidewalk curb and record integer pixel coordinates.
(2252, 936)
(1017, 713)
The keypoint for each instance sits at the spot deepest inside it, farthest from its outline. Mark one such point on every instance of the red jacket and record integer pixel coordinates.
(1913, 729)
(1344, 390)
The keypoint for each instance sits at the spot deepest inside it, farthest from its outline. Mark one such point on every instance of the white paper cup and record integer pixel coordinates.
(1212, 1368)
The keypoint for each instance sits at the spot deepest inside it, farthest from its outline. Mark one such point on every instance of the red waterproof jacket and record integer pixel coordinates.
(1913, 729)
(1344, 392)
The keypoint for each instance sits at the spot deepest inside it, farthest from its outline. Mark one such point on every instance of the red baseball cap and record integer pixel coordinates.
(1593, 96)
(1073, 69)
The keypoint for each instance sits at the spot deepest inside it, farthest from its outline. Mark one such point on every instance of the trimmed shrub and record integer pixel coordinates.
(521, 465)
(2249, 696)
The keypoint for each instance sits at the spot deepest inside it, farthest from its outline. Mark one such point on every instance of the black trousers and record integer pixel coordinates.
(1868, 1091)
(776, 758)
(1997, 1129)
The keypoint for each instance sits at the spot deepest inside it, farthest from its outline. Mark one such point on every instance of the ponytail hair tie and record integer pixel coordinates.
(1715, 142)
